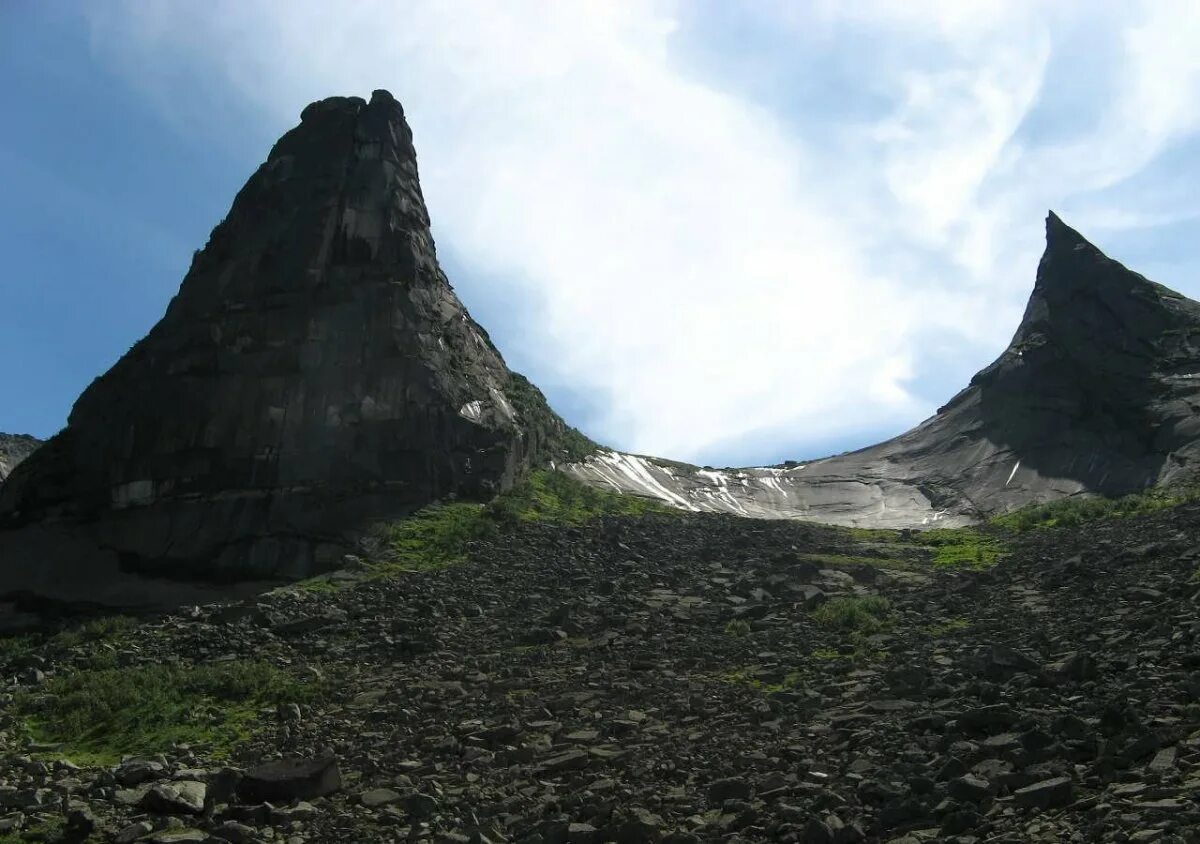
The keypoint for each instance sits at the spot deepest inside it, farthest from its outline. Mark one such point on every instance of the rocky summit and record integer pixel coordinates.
(1097, 393)
(314, 373)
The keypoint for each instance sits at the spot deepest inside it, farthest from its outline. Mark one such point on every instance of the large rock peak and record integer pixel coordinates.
(315, 371)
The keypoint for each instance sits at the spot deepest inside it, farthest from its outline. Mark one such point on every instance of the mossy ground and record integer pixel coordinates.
(96, 716)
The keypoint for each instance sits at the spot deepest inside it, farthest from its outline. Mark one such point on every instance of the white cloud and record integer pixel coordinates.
(701, 267)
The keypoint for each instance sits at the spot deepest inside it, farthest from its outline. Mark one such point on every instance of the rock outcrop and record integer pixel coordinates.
(314, 372)
(13, 449)
(1097, 393)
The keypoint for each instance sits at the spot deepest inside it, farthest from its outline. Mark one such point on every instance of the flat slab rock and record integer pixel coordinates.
(290, 779)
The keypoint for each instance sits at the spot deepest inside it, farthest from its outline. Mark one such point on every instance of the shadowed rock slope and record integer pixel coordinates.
(314, 372)
(1097, 393)
(13, 449)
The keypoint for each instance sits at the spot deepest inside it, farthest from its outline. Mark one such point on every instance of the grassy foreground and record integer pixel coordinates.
(98, 716)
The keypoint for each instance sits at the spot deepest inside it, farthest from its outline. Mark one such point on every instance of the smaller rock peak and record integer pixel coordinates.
(381, 96)
(383, 106)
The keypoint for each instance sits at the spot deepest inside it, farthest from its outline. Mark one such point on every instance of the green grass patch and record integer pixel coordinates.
(104, 629)
(826, 655)
(962, 547)
(440, 535)
(434, 537)
(548, 496)
(318, 586)
(944, 628)
(51, 829)
(1073, 512)
(18, 645)
(871, 535)
(737, 628)
(747, 678)
(98, 716)
(850, 614)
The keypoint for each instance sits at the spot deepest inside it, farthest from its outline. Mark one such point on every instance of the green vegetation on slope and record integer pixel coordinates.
(962, 547)
(945, 628)
(439, 535)
(434, 537)
(849, 614)
(109, 628)
(545, 426)
(96, 716)
(50, 829)
(965, 547)
(553, 497)
(1072, 512)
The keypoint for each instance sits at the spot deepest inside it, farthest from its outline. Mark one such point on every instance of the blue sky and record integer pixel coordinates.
(725, 232)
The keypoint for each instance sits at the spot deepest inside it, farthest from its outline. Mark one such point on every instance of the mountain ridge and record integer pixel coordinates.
(1102, 357)
(316, 373)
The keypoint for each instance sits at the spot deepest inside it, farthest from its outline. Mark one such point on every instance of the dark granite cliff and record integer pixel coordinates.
(1097, 393)
(314, 372)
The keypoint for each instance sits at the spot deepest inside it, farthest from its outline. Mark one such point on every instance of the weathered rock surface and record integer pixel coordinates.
(13, 449)
(655, 721)
(1097, 393)
(314, 372)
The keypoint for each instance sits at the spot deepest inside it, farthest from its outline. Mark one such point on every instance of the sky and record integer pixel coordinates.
(730, 233)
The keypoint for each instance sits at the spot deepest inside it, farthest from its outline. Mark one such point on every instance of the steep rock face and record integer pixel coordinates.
(1097, 393)
(13, 449)
(314, 372)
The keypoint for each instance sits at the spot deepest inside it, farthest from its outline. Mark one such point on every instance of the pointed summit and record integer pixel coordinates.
(1082, 299)
(1059, 234)
(314, 372)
